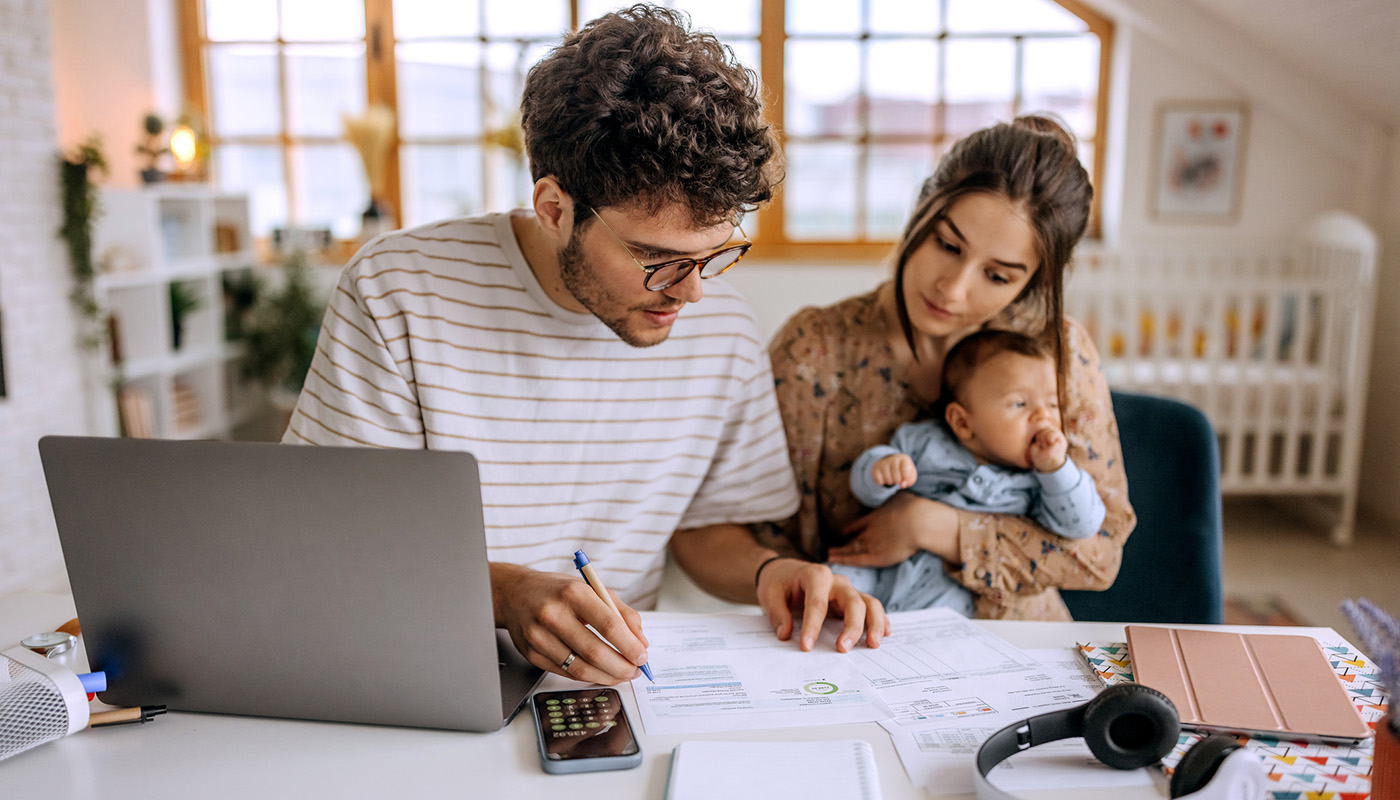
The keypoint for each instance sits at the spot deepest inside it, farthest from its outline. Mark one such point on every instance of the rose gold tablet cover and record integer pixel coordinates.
(1254, 683)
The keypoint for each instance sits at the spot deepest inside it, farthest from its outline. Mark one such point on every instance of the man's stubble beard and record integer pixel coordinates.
(613, 312)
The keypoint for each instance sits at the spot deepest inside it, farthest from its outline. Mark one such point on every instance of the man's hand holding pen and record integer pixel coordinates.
(548, 617)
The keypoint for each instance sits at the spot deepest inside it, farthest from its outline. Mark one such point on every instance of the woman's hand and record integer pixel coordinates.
(898, 529)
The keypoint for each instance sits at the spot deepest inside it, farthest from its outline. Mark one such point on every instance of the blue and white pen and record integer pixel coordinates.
(596, 583)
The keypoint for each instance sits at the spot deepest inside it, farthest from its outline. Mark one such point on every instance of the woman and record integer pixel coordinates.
(987, 247)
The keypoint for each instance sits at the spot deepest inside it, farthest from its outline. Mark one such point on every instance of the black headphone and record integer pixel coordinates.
(1128, 726)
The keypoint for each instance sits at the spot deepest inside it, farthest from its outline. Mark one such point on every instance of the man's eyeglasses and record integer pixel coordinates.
(669, 273)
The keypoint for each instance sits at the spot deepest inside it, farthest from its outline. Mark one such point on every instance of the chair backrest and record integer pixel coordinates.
(1173, 561)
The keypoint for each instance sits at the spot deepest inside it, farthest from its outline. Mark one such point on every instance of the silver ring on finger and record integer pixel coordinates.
(568, 662)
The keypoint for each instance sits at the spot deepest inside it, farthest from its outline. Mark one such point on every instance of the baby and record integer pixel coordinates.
(998, 448)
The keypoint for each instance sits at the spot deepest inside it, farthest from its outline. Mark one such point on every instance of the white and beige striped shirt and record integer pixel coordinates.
(440, 337)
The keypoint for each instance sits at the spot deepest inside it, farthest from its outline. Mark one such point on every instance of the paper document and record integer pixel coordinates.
(942, 669)
(729, 672)
(936, 727)
(813, 770)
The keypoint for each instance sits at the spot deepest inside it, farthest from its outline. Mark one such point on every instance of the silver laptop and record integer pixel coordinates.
(325, 583)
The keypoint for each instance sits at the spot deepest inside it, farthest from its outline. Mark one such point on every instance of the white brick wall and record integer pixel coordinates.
(43, 365)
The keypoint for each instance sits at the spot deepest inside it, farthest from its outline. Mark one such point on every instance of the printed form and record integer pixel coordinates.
(940, 685)
(937, 726)
(729, 672)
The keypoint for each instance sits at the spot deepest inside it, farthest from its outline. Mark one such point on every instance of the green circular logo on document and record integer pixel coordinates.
(820, 687)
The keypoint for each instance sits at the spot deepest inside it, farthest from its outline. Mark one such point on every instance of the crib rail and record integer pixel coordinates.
(1274, 347)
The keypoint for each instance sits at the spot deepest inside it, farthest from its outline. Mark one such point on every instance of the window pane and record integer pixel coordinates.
(1020, 16)
(439, 89)
(257, 172)
(589, 10)
(418, 19)
(241, 20)
(746, 52)
(904, 16)
(243, 88)
(895, 174)
(440, 181)
(323, 20)
(823, 16)
(331, 187)
(820, 192)
(506, 65)
(1062, 75)
(822, 88)
(903, 87)
(508, 182)
(725, 18)
(980, 83)
(537, 18)
(323, 82)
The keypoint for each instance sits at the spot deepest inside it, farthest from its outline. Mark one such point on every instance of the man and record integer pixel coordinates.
(556, 345)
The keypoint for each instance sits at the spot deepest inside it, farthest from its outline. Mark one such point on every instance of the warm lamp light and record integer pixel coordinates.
(183, 146)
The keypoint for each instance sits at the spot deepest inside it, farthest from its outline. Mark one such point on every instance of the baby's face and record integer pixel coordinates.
(1008, 400)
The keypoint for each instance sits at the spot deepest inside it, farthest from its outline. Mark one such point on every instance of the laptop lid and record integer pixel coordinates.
(325, 583)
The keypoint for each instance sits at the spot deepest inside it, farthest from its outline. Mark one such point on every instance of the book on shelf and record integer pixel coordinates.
(137, 415)
(187, 411)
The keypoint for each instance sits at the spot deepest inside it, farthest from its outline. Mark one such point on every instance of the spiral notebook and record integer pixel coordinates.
(842, 769)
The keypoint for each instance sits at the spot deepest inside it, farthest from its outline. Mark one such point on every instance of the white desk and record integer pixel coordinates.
(214, 756)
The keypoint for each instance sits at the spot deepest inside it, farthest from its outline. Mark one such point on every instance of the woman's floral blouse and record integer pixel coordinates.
(841, 390)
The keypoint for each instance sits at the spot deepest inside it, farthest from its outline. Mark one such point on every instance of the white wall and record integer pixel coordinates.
(1312, 144)
(42, 361)
(1380, 468)
(113, 62)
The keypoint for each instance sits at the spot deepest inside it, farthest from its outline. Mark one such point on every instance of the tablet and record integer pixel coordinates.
(1256, 684)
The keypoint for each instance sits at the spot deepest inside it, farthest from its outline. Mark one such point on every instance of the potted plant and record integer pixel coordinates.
(80, 212)
(152, 148)
(1379, 633)
(279, 334)
(184, 301)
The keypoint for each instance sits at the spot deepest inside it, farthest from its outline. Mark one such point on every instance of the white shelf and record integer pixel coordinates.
(152, 238)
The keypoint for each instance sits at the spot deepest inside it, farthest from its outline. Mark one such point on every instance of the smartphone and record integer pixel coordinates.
(584, 730)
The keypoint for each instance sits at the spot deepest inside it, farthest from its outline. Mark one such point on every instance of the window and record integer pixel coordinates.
(867, 94)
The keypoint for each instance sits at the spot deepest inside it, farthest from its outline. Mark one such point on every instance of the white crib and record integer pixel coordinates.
(1273, 347)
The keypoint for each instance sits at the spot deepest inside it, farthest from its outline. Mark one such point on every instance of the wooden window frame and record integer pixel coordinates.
(770, 241)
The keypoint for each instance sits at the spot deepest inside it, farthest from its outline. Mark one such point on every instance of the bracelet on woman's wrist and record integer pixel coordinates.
(758, 572)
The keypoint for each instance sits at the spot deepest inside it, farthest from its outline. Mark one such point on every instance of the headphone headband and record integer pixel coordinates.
(1129, 726)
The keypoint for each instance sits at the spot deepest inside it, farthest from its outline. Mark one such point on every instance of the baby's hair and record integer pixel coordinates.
(971, 352)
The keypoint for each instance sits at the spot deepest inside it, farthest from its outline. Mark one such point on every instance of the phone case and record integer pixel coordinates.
(572, 722)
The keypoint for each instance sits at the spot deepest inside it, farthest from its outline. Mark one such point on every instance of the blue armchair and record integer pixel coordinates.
(1172, 563)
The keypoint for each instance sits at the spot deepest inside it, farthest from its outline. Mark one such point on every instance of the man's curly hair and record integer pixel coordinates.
(634, 107)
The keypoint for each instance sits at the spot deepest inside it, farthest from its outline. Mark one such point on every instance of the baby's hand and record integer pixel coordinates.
(1047, 450)
(896, 470)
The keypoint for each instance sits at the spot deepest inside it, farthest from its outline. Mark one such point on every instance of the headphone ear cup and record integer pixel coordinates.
(1200, 763)
(1128, 726)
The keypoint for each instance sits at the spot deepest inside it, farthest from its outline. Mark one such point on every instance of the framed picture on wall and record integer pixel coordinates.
(1199, 165)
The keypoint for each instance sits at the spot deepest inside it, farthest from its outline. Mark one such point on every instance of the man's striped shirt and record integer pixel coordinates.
(441, 337)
